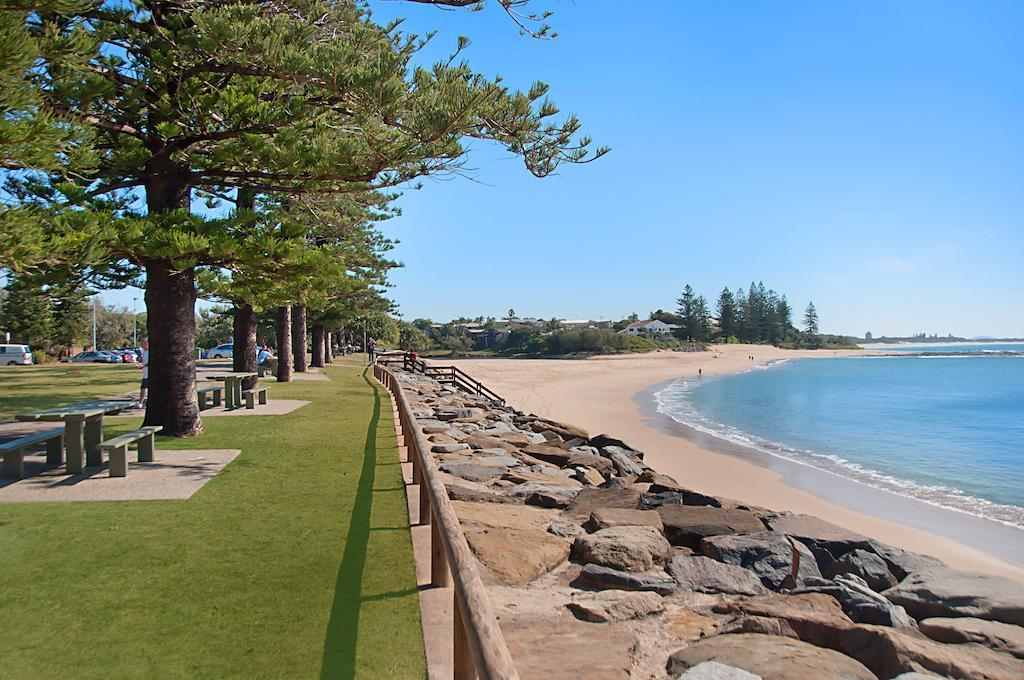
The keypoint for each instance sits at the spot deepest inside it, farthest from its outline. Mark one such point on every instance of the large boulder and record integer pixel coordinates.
(859, 602)
(602, 440)
(866, 565)
(546, 646)
(627, 548)
(663, 491)
(890, 651)
(563, 430)
(769, 656)
(813, 617)
(712, 670)
(686, 525)
(618, 517)
(483, 442)
(624, 464)
(944, 592)
(474, 472)
(602, 578)
(769, 555)
(826, 540)
(903, 563)
(564, 458)
(589, 500)
(705, 575)
(1002, 637)
(615, 605)
(513, 544)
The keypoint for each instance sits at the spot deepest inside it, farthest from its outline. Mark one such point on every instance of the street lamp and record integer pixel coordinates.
(94, 323)
(135, 338)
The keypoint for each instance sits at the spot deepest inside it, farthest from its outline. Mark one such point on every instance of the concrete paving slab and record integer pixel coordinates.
(171, 475)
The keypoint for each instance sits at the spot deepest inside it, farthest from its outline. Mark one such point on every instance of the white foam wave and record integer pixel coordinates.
(674, 401)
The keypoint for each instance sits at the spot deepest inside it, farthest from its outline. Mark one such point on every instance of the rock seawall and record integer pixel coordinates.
(600, 567)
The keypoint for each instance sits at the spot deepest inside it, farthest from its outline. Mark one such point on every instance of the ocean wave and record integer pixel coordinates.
(674, 402)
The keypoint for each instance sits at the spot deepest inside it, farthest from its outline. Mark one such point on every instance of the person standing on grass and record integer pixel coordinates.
(371, 350)
(144, 364)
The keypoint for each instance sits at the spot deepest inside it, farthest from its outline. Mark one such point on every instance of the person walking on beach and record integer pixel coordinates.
(144, 364)
(371, 350)
(700, 372)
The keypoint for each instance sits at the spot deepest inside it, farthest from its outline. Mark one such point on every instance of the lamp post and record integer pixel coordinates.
(135, 337)
(94, 323)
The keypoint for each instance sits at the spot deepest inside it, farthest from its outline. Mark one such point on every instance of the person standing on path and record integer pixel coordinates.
(371, 350)
(144, 363)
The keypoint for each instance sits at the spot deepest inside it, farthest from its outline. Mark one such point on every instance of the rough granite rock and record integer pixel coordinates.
(758, 624)
(564, 458)
(615, 605)
(771, 657)
(626, 548)
(565, 529)
(624, 464)
(565, 647)
(712, 670)
(449, 448)
(602, 578)
(859, 602)
(617, 517)
(482, 442)
(704, 575)
(686, 525)
(689, 625)
(903, 563)
(602, 440)
(564, 431)
(767, 554)
(658, 495)
(472, 471)
(889, 652)
(815, 618)
(944, 592)
(1002, 637)
(460, 492)
(588, 476)
(527, 489)
(589, 500)
(498, 538)
(826, 541)
(866, 565)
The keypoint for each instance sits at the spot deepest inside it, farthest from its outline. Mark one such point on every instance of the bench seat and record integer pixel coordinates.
(253, 394)
(117, 448)
(14, 451)
(201, 393)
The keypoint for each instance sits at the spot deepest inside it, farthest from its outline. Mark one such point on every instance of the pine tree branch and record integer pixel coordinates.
(94, 121)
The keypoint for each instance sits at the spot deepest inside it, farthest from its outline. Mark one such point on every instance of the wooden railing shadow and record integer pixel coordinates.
(479, 649)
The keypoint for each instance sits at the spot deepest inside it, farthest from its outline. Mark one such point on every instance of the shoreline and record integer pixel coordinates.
(614, 394)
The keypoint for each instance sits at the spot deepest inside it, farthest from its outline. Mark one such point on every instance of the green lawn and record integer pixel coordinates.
(30, 388)
(295, 561)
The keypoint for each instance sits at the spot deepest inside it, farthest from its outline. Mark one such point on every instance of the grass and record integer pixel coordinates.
(295, 561)
(30, 388)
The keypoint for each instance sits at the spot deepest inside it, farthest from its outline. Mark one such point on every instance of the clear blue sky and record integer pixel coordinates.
(868, 156)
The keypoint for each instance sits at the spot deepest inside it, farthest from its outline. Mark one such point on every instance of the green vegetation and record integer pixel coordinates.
(295, 561)
(30, 388)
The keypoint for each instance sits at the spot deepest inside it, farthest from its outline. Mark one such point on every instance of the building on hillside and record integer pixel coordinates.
(649, 328)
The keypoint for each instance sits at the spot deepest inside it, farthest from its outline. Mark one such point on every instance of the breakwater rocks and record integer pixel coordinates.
(600, 567)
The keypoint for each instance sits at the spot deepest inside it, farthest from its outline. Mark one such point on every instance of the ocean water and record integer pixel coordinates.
(948, 431)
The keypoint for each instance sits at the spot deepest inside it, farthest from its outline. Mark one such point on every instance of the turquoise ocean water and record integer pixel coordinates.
(946, 430)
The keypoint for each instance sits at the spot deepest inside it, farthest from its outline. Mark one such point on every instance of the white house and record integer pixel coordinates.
(655, 327)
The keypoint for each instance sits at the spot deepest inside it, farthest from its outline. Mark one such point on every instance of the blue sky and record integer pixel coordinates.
(863, 155)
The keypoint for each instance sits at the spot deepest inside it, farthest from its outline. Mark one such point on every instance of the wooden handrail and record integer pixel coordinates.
(452, 375)
(479, 647)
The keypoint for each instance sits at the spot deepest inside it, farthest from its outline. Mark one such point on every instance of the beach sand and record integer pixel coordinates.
(600, 395)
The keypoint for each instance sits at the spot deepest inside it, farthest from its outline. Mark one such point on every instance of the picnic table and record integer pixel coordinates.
(83, 428)
(232, 386)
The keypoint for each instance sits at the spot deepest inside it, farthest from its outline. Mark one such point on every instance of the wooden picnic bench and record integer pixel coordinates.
(14, 451)
(253, 394)
(201, 393)
(117, 448)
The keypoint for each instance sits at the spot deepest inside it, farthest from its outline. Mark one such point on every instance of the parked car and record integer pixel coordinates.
(225, 351)
(94, 358)
(15, 355)
(128, 355)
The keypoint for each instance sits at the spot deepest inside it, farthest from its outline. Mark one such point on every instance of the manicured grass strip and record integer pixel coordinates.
(30, 388)
(295, 561)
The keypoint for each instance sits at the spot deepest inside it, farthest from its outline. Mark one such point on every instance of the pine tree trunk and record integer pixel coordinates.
(328, 347)
(284, 344)
(244, 353)
(299, 337)
(171, 328)
(318, 346)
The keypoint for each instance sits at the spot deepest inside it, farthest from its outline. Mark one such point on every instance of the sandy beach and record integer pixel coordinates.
(606, 394)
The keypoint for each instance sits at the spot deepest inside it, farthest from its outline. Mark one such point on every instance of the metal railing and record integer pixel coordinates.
(450, 375)
(478, 645)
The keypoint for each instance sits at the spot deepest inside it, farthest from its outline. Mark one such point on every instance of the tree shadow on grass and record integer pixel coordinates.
(339, 658)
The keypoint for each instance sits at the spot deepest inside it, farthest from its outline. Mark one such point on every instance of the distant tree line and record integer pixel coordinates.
(756, 315)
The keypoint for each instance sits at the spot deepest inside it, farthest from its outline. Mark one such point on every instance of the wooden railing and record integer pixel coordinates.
(479, 648)
(450, 375)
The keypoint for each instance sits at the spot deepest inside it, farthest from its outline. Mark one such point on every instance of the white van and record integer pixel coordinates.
(15, 355)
